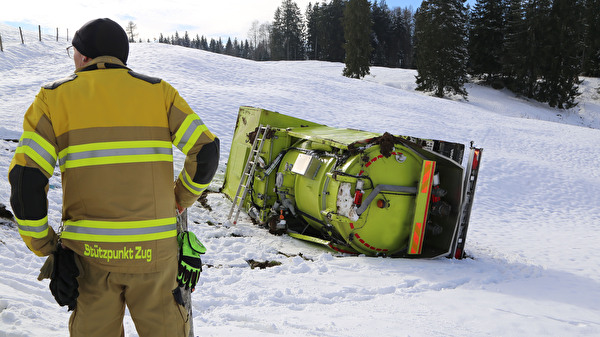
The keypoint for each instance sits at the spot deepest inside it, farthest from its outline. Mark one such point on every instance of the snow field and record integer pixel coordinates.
(534, 227)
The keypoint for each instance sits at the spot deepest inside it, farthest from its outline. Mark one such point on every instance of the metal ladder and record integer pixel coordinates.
(248, 173)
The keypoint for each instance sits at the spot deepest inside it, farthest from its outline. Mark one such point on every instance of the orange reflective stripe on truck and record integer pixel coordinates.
(415, 245)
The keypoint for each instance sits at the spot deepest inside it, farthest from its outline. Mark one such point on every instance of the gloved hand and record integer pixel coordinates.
(47, 268)
(190, 264)
(63, 282)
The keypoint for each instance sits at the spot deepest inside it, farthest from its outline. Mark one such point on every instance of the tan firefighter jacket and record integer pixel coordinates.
(111, 132)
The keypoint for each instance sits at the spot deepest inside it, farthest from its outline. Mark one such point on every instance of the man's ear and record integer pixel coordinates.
(85, 60)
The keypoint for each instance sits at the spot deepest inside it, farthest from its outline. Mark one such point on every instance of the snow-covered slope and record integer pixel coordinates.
(534, 230)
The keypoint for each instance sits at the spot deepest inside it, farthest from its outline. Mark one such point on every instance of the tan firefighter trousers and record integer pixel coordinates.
(103, 296)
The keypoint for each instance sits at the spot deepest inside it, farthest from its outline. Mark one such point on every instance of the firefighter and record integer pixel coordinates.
(111, 131)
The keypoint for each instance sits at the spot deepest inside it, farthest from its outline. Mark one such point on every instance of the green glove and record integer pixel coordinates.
(190, 264)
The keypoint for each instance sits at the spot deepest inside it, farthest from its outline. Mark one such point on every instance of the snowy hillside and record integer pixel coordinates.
(534, 233)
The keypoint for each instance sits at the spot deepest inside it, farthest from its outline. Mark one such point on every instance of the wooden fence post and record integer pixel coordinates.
(56, 34)
(21, 31)
(40, 30)
(1, 48)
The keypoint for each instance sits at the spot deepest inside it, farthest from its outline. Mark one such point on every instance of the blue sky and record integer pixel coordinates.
(213, 19)
(404, 3)
(414, 3)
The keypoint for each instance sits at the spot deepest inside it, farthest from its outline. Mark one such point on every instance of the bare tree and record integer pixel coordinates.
(259, 35)
(130, 29)
(253, 33)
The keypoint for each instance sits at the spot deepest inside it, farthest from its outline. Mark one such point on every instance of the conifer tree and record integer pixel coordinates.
(331, 31)
(440, 34)
(382, 33)
(559, 85)
(515, 44)
(400, 45)
(486, 39)
(357, 32)
(229, 50)
(537, 55)
(404, 29)
(186, 42)
(313, 48)
(287, 36)
(591, 46)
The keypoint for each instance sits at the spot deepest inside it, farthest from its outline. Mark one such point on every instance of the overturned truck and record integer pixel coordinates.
(354, 191)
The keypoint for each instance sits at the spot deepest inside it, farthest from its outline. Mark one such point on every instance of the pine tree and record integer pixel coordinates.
(515, 44)
(287, 34)
(404, 29)
(245, 50)
(537, 55)
(382, 33)
(331, 31)
(219, 46)
(440, 34)
(325, 31)
(213, 46)
(357, 32)
(486, 39)
(186, 42)
(559, 85)
(591, 47)
(229, 47)
(195, 42)
(313, 48)
(400, 44)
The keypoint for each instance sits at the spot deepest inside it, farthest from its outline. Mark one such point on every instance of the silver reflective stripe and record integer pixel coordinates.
(39, 150)
(36, 229)
(190, 184)
(120, 231)
(195, 124)
(114, 153)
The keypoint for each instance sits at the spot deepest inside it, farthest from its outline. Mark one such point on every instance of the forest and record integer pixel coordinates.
(535, 48)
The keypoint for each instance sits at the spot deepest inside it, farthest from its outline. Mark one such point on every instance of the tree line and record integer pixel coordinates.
(536, 48)
(316, 34)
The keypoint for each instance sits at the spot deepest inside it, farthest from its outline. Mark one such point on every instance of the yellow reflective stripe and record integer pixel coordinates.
(38, 149)
(192, 186)
(188, 133)
(41, 141)
(34, 228)
(193, 138)
(114, 145)
(115, 153)
(120, 231)
(183, 128)
(113, 238)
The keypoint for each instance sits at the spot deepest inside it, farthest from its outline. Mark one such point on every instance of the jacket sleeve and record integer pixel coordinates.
(29, 173)
(190, 135)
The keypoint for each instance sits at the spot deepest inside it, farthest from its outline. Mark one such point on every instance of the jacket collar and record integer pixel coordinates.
(103, 62)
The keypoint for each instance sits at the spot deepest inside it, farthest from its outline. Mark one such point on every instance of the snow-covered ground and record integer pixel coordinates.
(534, 233)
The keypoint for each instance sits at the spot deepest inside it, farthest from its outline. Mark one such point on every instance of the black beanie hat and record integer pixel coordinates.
(102, 37)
